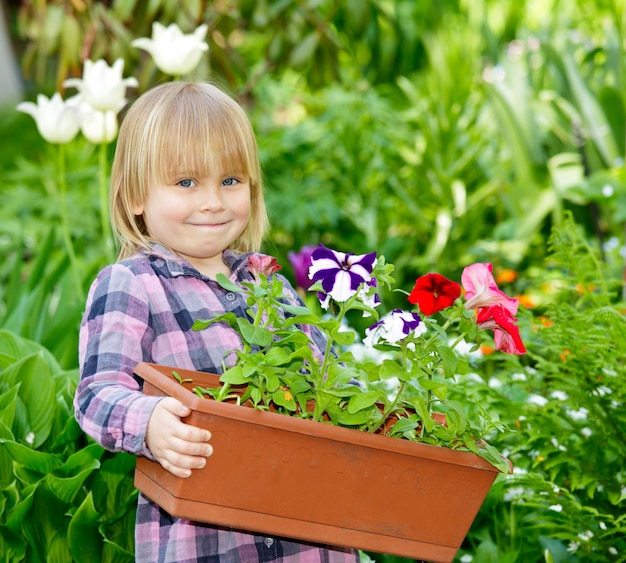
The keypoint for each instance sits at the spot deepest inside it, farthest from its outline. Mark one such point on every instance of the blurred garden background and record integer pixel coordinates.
(436, 133)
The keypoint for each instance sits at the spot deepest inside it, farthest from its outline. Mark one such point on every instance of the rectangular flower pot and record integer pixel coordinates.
(295, 478)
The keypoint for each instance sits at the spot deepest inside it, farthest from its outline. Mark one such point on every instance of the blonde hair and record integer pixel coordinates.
(194, 127)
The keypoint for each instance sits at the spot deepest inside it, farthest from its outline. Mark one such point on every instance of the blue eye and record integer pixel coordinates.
(186, 183)
(230, 182)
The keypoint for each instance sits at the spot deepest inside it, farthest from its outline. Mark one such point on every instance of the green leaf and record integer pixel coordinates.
(42, 462)
(234, 376)
(344, 338)
(21, 509)
(304, 50)
(298, 311)
(84, 539)
(113, 489)
(254, 335)
(276, 357)
(8, 401)
(273, 383)
(403, 425)
(256, 395)
(14, 347)
(280, 398)
(37, 401)
(437, 387)
(227, 284)
(68, 480)
(45, 526)
(357, 419)
(362, 401)
(201, 324)
(12, 546)
(390, 368)
(448, 357)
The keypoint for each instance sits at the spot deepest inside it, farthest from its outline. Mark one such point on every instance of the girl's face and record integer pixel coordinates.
(198, 217)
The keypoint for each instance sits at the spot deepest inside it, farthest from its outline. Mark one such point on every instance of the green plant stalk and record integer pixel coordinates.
(391, 407)
(67, 237)
(343, 308)
(104, 201)
(431, 340)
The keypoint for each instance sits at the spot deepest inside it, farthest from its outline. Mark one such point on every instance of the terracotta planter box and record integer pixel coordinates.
(284, 476)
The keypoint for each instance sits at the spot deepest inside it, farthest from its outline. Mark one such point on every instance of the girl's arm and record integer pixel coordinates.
(115, 336)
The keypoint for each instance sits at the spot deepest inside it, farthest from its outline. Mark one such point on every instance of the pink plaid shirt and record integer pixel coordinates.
(142, 310)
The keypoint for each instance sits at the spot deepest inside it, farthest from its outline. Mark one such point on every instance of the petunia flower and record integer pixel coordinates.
(369, 296)
(102, 86)
(57, 120)
(173, 51)
(505, 332)
(340, 274)
(301, 262)
(394, 327)
(261, 264)
(481, 289)
(434, 292)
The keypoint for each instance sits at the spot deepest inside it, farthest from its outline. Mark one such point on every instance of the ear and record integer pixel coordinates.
(138, 208)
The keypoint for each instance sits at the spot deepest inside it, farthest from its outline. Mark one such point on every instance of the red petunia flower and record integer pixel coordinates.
(433, 293)
(505, 332)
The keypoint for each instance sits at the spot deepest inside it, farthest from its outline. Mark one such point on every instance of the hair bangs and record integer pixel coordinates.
(198, 141)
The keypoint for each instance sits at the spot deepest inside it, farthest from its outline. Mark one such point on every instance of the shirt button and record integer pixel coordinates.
(268, 542)
(230, 296)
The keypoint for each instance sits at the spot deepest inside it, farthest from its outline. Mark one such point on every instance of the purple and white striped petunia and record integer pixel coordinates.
(340, 274)
(394, 327)
(369, 296)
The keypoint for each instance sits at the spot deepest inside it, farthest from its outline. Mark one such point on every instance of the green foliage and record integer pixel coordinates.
(568, 409)
(437, 133)
(246, 38)
(62, 497)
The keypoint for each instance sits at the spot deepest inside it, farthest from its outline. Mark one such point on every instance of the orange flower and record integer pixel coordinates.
(525, 301)
(288, 395)
(487, 350)
(506, 276)
(563, 355)
(581, 288)
(545, 321)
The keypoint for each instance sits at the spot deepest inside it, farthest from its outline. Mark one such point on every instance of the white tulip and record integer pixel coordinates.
(102, 86)
(174, 52)
(98, 126)
(57, 120)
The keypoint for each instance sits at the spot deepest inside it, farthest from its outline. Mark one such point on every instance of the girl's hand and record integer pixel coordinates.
(177, 446)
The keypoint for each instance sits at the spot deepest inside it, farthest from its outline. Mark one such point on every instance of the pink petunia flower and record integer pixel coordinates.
(261, 264)
(481, 289)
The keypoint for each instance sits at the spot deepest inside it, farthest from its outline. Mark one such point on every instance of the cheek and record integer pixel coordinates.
(245, 207)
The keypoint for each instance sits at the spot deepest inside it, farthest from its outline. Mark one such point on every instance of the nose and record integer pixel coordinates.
(212, 199)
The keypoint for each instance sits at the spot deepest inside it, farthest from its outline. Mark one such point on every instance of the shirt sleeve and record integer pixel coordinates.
(115, 336)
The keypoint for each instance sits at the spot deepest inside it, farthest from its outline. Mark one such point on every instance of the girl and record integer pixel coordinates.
(187, 203)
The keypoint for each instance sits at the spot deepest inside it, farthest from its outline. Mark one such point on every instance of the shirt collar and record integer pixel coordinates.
(178, 266)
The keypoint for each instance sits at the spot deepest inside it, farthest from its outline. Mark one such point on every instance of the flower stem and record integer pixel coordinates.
(67, 237)
(317, 411)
